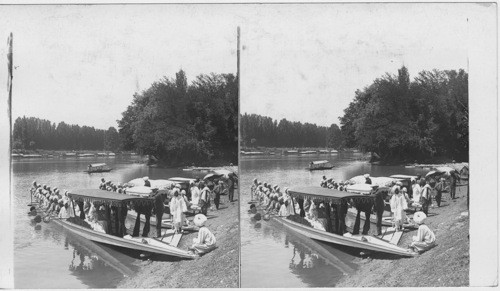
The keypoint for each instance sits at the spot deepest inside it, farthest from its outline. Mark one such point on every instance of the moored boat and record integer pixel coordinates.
(97, 168)
(113, 199)
(308, 152)
(320, 165)
(337, 199)
(85, 155)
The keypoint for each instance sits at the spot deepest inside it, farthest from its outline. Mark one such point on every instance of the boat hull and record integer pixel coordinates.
(121, 242)
(321, 168)
(98, 171)
(373, 243)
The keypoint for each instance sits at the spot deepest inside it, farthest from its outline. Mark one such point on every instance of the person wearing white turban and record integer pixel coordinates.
(205, 242)
(425, 238)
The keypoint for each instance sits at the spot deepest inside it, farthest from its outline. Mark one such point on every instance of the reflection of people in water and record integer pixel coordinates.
(306, 259)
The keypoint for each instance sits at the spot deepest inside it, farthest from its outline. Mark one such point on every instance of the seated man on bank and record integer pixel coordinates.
(425, 238)
(205, 242)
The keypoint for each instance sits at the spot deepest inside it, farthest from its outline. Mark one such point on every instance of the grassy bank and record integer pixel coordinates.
(217, 269)
(447, 264)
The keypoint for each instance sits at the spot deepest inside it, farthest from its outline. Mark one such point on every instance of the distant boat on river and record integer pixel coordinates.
(98, 168)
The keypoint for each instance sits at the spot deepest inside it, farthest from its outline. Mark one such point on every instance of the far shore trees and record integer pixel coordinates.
(31, 133)
(257, 130)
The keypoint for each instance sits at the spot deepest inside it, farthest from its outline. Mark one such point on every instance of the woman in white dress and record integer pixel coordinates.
(398, 207)
(177, 208)
(195, 193)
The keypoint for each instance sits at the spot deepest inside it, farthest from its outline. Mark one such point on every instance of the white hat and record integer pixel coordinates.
(367, 175)
(199, 220)
(145, 178)
(419, 217)
(177, 186)
(183, 192)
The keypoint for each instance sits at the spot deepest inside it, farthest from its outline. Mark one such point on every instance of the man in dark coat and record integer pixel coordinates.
(380, 196)
(366, 207)
(159, 207)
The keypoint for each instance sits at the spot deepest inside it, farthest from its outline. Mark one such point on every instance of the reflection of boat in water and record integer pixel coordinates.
(332, 257)
(365, 242)
(314, 265)
(91, 249)
(108, 199)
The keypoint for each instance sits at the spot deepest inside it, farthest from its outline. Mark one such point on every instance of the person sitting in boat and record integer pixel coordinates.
(205, 242)
(313, 218)
(425, 238)
(255, 184)
(96, 219)
(253, 209)
(102, 186)
(288, 201)
(283, 210)
(177, 208)
(324, 182)
(32, 211)
(64, 212)
(147, 183)
(367, 179)
(398, 207)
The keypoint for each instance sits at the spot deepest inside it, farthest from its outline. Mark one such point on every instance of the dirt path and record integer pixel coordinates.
(445, 265)
(217, 269)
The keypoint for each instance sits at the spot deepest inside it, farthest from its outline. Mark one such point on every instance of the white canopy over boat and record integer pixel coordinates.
(360, 188)
(378, 181)
(160, 184)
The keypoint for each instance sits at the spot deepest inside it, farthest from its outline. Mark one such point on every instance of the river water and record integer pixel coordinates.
(272, 256)
(54, 258)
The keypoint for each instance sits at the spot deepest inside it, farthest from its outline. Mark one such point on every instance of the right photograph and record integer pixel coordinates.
(354, 145)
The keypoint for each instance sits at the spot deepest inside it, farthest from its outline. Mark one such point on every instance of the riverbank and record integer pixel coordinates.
(217, 269)
(447, 264)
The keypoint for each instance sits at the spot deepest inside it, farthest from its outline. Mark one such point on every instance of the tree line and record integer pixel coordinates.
(32, 133)
(403, 120)
(180, 123)
(257, 130)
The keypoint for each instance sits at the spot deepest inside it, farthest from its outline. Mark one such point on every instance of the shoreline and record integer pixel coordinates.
(445, 265)
(217, 269)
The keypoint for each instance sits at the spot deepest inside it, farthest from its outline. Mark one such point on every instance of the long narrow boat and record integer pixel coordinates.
(337, 198)
(108, 199)
(97, 168)
(320, 165)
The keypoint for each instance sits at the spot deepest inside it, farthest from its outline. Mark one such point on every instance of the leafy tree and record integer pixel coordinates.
(182, 124)
(399, 119)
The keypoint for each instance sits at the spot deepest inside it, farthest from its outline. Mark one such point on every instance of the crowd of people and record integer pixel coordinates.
(111, 220)
(425, 193)
(277, 202)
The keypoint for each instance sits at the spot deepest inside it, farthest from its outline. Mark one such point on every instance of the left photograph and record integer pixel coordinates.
(124, 145)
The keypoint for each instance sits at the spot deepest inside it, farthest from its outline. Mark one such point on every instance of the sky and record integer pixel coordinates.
(81, 64)
(304, 62)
